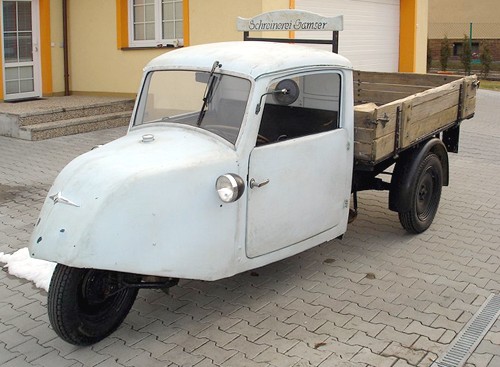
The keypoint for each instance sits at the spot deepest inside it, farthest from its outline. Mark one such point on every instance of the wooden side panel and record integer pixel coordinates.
(430, 111)
(427, 103)
(374, 150)
(427, 80)
(382, 88)
(469, 98)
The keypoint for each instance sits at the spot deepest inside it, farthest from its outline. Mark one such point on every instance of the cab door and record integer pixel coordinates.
(298, 184)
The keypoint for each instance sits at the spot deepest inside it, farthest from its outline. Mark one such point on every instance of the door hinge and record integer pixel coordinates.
(346, 204)
(348, 145)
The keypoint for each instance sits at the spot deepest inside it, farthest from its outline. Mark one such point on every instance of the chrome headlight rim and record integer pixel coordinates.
(230, 187)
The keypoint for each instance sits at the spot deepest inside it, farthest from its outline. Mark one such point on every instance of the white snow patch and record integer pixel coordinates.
(21, 265)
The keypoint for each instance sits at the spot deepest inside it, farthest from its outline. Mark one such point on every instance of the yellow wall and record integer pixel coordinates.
(97, 32)
(463, 11)
(100, 62)
(413, 36)
(96, 64)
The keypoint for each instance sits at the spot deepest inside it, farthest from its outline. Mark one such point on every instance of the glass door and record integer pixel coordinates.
(20, 49)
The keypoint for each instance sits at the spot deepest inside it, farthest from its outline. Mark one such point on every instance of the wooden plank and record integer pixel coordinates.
(429, 80)
(442, 101)
(399, 88)
(376, 150)
(422, 128)
(469, 107)
(434, 93)
(469, 96)
(377, 97)
(363, 114)
(363, 135)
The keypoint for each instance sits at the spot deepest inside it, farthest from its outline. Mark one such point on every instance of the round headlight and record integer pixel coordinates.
(230, 187)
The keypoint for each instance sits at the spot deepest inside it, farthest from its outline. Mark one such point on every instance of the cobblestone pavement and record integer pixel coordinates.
(380, 297)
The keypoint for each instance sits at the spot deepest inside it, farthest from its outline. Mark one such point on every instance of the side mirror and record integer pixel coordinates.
(291, 95)
(286, 92)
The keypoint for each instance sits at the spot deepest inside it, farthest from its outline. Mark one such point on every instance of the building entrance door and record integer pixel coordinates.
(21, 54)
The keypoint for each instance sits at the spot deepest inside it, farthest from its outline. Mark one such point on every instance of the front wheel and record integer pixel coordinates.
(87, 305)
(425, 195)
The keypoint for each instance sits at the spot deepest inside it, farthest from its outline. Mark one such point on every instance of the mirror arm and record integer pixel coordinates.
(278, 91)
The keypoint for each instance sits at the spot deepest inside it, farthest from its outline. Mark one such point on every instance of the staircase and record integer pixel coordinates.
(60, 116)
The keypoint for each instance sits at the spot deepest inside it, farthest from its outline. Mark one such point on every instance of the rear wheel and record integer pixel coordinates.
(86, 305)
(425, 195)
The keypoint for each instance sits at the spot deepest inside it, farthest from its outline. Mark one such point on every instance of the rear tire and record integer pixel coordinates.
(425, 195)
(87, 305)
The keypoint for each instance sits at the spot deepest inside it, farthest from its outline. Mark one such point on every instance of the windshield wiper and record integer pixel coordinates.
(208, 92)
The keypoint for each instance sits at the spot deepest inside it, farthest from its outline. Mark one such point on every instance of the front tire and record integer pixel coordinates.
(425, 195)
(87, 305)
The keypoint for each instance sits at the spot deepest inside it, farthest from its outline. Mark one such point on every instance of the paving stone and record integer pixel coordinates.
(481, 359)
(366, 356)
(53, 359)
(128, 335)
(240, 359)
(153, 346)
(216, 354)
(118, 349)
(247, 348)
(190, 342)
(17, 362)
(276, 359)
(361, 339)
(246, 314)
(310, 323)
(180, 357)
(397, 323)
(244, 328)
(89, 356)
(12, 338)
(408, 354)
(31, 350)
(487, 347)
(281, 328)
(358, 324)
(218, 320)
(304, 351)
(7, 354)
(495, 361)
(277, 342)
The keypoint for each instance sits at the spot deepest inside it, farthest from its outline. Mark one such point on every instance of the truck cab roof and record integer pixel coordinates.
(252, 58)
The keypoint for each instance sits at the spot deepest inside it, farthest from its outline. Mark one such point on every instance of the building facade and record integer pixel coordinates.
(56, 47)
(454, 19)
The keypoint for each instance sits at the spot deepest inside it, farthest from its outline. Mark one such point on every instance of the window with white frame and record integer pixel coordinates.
(154, 23)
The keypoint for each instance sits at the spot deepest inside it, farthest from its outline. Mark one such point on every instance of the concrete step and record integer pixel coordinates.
(53, 129)
(74, 112)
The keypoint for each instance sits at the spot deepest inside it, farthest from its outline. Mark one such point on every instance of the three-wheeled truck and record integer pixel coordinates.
(239, 154)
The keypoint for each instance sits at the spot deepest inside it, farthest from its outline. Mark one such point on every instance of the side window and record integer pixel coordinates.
(310, 105)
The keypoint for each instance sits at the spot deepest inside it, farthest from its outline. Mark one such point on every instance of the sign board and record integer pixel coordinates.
(290, 20)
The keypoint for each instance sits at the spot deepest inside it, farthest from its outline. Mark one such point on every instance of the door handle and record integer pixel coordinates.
(254, 183)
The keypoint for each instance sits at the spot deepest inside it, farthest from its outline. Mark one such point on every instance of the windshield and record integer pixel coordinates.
(179, 96)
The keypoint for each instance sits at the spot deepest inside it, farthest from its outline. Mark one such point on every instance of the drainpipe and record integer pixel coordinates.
(65, 48)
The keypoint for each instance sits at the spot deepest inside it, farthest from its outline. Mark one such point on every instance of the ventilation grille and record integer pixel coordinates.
(471, 335)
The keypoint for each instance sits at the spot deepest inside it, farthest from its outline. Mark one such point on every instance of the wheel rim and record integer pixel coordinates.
(427, 195)
(100, 294)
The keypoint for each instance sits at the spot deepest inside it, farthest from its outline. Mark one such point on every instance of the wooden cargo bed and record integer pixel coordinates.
(394, 111)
